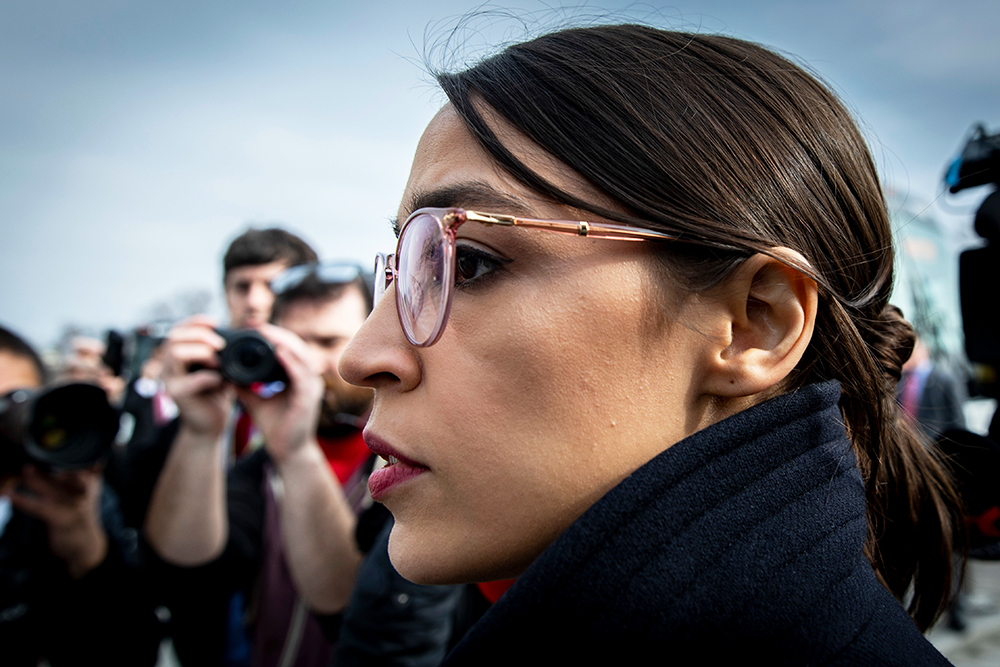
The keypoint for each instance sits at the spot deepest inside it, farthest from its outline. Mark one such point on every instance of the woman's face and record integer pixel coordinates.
(565, 366)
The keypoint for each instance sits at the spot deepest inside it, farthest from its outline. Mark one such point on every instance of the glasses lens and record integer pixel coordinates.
(422, 271)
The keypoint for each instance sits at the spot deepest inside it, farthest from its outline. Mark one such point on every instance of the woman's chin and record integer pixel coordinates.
(424, 559)
(419, 562)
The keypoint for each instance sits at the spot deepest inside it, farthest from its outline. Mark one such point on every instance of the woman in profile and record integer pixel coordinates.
(636, 351)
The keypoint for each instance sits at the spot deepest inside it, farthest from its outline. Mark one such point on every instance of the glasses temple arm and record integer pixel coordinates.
(598, 230)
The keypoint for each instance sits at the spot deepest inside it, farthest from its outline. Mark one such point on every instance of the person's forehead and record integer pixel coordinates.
(447, 137)
(17, 372)
(255, 272)
(341, 316)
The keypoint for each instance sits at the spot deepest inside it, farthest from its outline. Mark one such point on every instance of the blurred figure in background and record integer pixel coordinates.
(251, 262)
(930, 394)
(280, 529)
(85, 362)
(136, 465)
(70, 586)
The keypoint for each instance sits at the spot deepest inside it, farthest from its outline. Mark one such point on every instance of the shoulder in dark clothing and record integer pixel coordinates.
(104, 618)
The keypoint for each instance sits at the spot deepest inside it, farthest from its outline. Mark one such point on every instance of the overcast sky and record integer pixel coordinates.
(138, 138)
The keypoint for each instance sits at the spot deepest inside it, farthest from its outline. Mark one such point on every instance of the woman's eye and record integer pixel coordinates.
(473, 264)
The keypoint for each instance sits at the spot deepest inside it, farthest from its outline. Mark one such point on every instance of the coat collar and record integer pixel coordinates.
(749, 529)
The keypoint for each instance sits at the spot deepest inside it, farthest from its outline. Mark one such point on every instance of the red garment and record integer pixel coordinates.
(241, 434)
(345, 455)
(492, 590)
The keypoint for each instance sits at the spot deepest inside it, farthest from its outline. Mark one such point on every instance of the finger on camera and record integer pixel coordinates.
(202, 321)
(44, 486)
(299, 368)
(280, 337)
(184, 355)
(291, 349)
(37, 506)
(78, 478)
(196, 333)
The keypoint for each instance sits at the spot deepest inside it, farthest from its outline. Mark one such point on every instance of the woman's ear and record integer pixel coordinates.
(769, 311)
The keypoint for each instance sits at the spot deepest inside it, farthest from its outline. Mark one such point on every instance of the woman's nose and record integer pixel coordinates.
(379, 355)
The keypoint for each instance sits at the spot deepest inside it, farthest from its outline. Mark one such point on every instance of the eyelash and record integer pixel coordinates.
(492, 263)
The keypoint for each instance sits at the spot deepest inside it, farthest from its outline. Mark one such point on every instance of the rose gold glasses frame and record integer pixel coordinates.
(450, 219)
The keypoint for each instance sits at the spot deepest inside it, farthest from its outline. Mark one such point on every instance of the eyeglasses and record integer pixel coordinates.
(423, 266)
(328, 273)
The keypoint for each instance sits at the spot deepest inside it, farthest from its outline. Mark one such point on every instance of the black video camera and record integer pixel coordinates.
(65, 427)
(979, 164)
(248, 359)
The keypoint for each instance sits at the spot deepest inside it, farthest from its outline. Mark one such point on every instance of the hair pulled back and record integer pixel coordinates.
(737, 151)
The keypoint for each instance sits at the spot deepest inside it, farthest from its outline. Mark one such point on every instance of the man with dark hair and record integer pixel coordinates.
(280, 526)
(70, 587)
(253, 259)
(251, 262)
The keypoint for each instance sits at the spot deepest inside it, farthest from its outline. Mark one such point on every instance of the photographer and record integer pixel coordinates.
(281, 528)
(250, 263)
(70, 588)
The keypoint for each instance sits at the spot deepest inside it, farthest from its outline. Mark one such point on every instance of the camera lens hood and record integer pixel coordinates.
(70, 426)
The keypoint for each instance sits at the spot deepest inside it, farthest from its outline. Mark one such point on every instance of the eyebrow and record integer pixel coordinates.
(473, 194)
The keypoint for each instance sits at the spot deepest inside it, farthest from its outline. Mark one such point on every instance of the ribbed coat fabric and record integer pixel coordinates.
(741, 543)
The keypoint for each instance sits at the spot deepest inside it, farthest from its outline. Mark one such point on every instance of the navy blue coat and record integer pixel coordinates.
(742, 542)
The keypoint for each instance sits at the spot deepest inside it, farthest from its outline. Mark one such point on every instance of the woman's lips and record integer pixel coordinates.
(389, 476)
(398, 470)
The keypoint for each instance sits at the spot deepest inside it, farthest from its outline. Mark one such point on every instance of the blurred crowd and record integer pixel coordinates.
(220, 515)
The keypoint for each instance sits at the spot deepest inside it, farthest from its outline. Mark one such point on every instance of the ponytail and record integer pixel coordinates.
(912, 504)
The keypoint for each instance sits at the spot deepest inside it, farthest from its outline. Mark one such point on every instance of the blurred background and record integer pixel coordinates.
(138, 138)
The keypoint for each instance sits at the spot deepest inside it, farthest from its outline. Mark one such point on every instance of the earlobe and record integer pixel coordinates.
(771, 311)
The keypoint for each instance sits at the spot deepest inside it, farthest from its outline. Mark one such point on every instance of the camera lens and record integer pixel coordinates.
(71, 426)
(248, 358)
(251, 356)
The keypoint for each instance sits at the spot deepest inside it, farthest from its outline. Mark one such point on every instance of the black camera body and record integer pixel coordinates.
(248, 359)
(66, 427)
(979, 164)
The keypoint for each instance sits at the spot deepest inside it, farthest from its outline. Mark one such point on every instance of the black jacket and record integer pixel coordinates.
(741, 542)
(104, 618)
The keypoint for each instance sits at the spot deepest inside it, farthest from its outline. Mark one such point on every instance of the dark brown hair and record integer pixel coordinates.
(738, 150)
(263, 246)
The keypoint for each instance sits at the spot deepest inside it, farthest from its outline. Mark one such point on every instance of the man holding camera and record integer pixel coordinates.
(71, 591)
(251, 262)
(281, 528)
